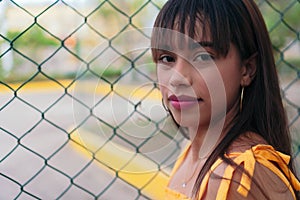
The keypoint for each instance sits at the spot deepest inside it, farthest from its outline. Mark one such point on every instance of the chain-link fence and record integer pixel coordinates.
(80, 113)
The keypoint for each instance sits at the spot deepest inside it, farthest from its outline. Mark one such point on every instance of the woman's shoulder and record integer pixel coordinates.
(257, 171)
(245, 142)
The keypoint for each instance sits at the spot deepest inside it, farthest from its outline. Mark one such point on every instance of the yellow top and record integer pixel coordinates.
(265, 155)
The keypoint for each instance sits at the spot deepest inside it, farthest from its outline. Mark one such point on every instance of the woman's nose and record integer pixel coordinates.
(181, 73)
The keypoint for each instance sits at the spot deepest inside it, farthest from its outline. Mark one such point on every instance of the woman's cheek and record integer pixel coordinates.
(163, 80)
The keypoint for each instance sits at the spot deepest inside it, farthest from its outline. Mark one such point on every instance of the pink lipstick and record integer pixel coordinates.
(183, 102)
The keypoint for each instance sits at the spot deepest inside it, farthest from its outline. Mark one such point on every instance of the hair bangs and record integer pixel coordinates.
(187, 18)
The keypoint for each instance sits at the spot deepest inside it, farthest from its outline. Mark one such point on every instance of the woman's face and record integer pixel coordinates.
(198, 85)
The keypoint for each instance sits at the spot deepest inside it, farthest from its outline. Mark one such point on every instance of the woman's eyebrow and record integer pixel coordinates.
(164, 48)
(191, 46)
(201, 44)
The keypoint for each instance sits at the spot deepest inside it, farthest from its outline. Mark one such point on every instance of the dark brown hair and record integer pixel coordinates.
(239, 22)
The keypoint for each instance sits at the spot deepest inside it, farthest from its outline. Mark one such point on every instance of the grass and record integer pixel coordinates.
(14, 77)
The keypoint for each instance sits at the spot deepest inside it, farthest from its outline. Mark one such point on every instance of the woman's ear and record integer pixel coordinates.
(249, 70)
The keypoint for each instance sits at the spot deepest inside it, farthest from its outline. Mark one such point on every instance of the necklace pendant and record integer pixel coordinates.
(183, 185)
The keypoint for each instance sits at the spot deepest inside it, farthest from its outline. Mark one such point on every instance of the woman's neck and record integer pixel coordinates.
(205, 139)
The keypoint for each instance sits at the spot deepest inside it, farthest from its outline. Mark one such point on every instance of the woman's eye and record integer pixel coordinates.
(166, 59)
(204, 57)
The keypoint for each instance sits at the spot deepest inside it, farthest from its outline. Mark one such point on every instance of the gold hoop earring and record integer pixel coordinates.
(165, 107)
(241, 100)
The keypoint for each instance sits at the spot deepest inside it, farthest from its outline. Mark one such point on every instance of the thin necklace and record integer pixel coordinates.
(184, 184)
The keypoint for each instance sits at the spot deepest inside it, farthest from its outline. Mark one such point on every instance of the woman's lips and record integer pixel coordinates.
(183, 102)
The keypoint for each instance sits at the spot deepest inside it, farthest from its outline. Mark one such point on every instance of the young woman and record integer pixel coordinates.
(218, 80)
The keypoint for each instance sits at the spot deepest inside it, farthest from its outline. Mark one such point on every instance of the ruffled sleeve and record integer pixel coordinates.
(265, 155)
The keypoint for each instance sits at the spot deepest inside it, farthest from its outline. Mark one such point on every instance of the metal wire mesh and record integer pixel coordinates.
(63, 100)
